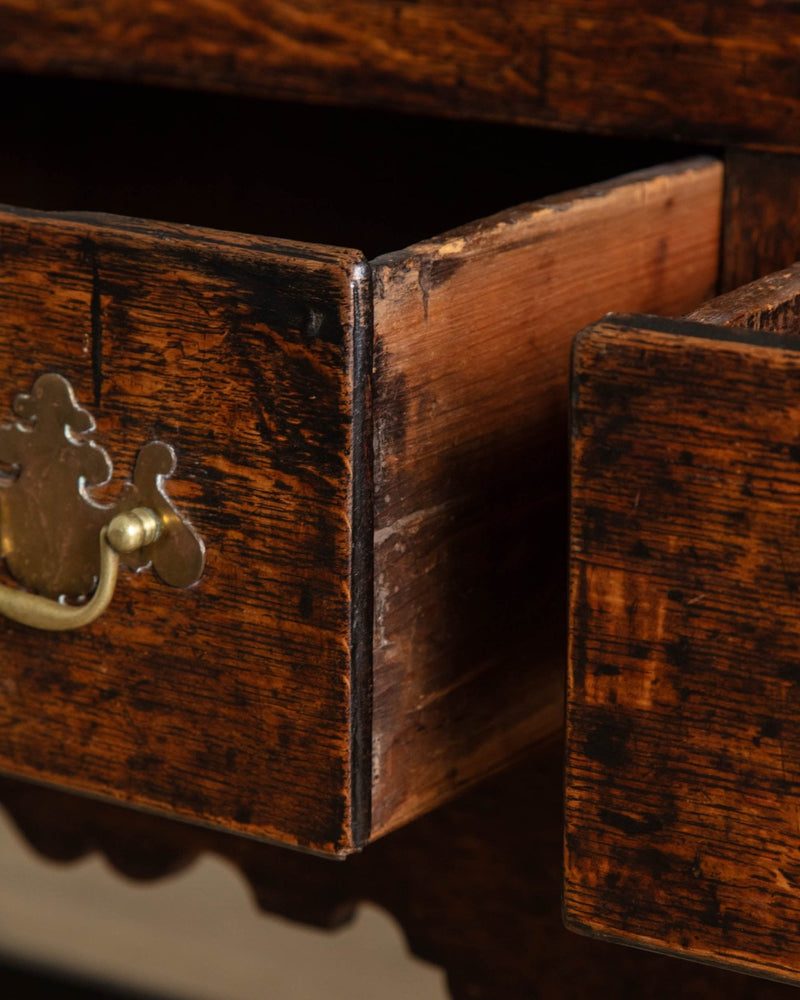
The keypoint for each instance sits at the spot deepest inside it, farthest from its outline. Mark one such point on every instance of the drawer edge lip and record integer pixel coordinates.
(362, 561)
(216, 239)
(489, 233)
(615, 325)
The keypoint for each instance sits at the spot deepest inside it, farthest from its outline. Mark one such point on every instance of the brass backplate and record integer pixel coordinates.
(49, 523)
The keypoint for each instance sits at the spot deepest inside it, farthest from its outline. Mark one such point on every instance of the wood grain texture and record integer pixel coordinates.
(713, 73)
(771, 303)
(474, 886)
(683, 740)
(472, 341)
(231, 703)
(761, 224)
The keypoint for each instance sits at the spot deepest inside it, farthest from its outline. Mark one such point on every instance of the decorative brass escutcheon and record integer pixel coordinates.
(57, 542)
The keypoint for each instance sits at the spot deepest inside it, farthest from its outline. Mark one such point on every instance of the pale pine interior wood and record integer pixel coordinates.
(472, 342)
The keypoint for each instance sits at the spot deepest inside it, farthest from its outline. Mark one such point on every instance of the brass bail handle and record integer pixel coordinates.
(50, 523)
(127, 532)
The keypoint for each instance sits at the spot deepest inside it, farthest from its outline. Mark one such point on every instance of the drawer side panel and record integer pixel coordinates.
(472, 342)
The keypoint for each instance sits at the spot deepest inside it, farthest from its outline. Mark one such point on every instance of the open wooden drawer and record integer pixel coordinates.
(683, 724)
(372, 453)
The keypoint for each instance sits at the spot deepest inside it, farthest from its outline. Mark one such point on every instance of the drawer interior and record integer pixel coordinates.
(349, 177)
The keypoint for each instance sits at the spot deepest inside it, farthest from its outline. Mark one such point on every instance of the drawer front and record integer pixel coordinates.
(231, 702)
(683, 702)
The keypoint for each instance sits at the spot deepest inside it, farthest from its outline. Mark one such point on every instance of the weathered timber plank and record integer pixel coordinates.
(715, 73)
(472, 340)
(231, 703)
(683, 742)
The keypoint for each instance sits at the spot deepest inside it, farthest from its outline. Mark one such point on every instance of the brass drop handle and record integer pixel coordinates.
(50, 524)
(125, 533)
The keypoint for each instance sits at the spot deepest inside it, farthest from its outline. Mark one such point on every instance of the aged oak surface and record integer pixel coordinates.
(231, 703)
(475, 887)
(706, 72)
(472, 339)
(683, 761)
